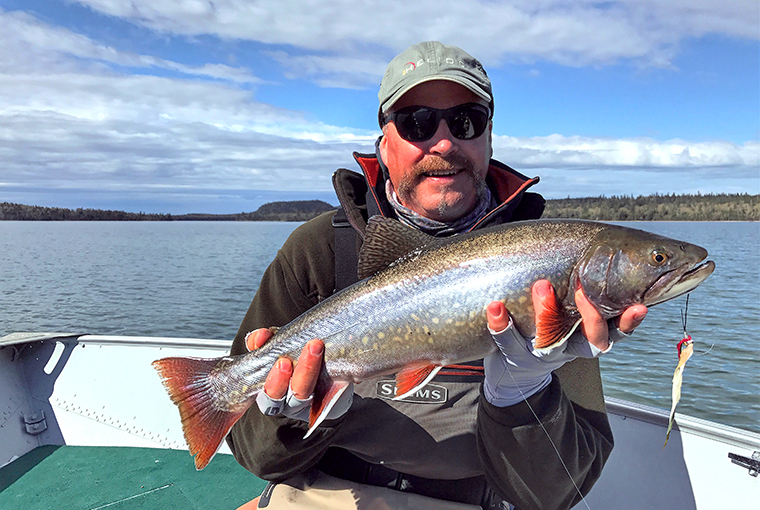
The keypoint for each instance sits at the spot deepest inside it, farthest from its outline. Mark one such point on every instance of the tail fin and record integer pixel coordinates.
(205, 420)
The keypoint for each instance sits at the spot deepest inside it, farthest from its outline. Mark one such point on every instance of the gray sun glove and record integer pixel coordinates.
(516, 371)
(292, 407)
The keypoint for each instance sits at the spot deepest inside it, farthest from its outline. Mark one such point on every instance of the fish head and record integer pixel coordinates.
(624, 267)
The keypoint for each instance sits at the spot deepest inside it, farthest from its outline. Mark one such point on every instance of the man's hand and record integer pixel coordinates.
(302, 379)
(593, 327)
(289, 390)
(518, 371)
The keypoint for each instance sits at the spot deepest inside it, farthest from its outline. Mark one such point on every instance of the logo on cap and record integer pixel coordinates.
(408, 67)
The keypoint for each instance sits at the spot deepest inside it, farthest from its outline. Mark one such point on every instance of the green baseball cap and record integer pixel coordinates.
(428, 61)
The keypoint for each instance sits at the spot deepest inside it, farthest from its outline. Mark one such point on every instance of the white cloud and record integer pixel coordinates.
(577, 32)
(28, 45)
(67, 120)
(581, 166)
(576, 151)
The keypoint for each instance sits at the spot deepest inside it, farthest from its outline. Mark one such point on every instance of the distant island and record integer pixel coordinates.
(719, 207)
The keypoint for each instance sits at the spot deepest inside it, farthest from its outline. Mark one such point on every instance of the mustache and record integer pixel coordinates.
(439, 163)
(406, 186)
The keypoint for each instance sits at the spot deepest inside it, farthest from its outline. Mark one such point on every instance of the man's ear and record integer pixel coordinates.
(383, 145)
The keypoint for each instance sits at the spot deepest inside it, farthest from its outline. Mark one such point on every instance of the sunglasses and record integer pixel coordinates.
(419, 123)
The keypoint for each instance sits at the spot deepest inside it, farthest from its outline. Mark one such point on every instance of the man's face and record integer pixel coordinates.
(439, 178)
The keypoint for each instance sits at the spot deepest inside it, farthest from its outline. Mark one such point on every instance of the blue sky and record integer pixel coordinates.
(198, 106)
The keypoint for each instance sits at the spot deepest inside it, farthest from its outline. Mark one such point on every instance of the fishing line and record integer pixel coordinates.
(708, 350)
(683, 323)
(551, 441)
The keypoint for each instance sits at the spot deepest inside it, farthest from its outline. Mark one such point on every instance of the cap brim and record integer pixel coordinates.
(468, 84)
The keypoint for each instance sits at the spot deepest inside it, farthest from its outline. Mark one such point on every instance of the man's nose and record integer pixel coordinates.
(442, 141)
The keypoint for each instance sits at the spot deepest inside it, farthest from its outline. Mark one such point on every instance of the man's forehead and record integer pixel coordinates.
(438, 94)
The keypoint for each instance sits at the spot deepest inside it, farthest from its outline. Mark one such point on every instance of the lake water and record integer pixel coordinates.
(196, 279)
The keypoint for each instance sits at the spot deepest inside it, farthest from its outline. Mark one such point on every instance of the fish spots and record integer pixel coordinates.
(381, 335)
(436, 320)
(522, 300)
(365, 340)
(415, 317)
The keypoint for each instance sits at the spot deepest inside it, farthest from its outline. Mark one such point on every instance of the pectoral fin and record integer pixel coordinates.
(412, 378)
(554, 325)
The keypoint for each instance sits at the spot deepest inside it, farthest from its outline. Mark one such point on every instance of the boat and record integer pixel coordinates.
(86, 424)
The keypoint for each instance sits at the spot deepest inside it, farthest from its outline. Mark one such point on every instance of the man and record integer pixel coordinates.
(491, 437)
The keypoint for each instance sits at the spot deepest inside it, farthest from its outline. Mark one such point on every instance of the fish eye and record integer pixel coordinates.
(659, 258)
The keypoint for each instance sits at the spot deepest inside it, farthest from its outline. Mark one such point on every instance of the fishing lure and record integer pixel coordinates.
(685, 350)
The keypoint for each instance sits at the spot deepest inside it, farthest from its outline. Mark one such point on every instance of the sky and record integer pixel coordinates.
(180, 106)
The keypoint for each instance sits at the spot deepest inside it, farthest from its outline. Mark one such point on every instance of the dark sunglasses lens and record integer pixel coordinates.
(419, 123)
(467, 121)
(416, 124)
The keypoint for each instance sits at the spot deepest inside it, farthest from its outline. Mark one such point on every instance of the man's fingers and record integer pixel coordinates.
(497, 315)
(542, 294)
(302, 379)
(278, 379)
(257, 338)
(631, 318)
(306, 372)
(594, 326)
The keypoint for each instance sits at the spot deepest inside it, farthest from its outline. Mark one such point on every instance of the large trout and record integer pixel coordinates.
(422, 305)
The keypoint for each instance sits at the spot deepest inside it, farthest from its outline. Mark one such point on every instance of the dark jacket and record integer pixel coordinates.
(463, 440)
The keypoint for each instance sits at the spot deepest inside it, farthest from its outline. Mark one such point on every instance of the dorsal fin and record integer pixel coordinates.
(385, 241)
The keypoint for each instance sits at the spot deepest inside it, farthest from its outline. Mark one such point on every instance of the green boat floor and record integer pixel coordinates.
(95, 478)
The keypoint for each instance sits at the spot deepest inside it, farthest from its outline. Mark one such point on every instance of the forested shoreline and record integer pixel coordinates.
(712, 207)
(719, 207)
(300, 210)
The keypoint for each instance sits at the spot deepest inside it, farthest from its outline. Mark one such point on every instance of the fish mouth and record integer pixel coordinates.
(677, 282)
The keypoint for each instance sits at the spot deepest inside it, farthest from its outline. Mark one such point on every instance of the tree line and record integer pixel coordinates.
(717, 207)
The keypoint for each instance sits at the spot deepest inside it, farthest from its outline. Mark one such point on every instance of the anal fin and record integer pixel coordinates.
(412, 378)
(326, 394)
